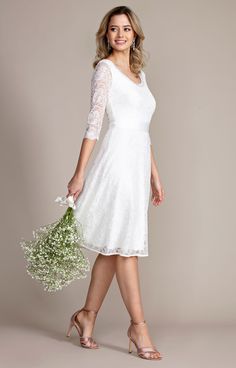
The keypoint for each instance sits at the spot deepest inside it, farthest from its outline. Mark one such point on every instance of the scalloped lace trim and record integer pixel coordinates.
(120, 251)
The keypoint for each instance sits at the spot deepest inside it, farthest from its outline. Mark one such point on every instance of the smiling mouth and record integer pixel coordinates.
(120, 41)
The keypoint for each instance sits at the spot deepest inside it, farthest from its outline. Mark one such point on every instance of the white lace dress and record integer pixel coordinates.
(113, 204)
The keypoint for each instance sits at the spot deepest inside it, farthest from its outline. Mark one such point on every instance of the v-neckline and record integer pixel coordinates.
(140, 74)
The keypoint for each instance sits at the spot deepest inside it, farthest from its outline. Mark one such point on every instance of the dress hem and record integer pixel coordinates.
(114, 253)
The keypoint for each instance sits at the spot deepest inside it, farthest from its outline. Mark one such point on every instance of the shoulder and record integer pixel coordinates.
(143, 75)
(102, 71)
(143, 72)
(104, 66)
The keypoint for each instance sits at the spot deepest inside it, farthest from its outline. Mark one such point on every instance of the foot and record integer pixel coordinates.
(140, 335)
(86, 320)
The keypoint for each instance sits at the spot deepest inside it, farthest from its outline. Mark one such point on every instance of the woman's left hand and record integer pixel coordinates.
(157, 191)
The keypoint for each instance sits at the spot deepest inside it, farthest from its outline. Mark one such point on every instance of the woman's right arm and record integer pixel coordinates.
(100, 84)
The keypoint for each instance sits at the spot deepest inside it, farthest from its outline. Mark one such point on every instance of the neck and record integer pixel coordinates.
(121, 59)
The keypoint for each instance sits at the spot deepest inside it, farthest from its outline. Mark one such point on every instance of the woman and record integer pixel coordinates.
(112, 202)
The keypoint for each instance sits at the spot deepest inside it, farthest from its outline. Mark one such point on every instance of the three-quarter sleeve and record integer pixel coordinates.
(100, 85)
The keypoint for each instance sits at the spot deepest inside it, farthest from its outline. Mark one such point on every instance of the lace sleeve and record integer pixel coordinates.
(100, 84)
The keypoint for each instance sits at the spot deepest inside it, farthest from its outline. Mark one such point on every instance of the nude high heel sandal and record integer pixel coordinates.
(85, 341)
(143, 352)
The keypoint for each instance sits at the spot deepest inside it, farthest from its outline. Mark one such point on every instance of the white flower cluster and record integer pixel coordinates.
(54, 257)
(66, 201)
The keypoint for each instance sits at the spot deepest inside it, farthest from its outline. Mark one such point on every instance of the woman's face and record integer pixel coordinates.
(120, 33)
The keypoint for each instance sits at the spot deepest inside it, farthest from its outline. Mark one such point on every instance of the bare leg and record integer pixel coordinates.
(128, 280)
(99, 285)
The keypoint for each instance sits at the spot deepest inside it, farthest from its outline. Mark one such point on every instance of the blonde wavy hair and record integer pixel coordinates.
(138, 56)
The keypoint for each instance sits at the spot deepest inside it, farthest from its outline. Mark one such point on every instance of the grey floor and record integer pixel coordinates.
(181, 346)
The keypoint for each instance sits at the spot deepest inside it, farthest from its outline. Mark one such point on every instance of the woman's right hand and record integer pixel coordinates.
(75, 186)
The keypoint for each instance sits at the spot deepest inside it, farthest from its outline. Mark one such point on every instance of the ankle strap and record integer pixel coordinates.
(138, 323)
(89, 310)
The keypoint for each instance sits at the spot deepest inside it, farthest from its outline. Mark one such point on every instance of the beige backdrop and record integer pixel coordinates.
(47, 49)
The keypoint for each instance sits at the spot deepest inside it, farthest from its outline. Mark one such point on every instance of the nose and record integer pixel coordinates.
(120, 33)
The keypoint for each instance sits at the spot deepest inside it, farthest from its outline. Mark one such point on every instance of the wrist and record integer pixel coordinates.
(154, 175)
(79, 175)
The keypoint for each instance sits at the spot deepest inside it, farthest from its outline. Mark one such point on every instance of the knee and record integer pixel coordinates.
(125, 258)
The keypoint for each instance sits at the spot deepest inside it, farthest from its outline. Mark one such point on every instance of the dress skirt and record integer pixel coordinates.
(113, 204)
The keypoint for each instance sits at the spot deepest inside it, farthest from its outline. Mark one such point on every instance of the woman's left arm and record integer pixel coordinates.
(157, 189)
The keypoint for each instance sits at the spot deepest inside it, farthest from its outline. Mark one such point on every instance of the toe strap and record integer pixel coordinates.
(86, 339)
(147, 350)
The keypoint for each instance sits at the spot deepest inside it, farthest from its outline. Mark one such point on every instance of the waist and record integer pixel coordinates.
(129, 134)
(133, 129)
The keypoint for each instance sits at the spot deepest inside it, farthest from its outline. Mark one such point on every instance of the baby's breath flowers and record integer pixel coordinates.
(54, 256)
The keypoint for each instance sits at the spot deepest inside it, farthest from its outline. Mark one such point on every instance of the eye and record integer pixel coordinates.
(126, 28)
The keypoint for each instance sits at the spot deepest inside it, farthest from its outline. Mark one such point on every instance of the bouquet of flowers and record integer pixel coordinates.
(54, 256)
